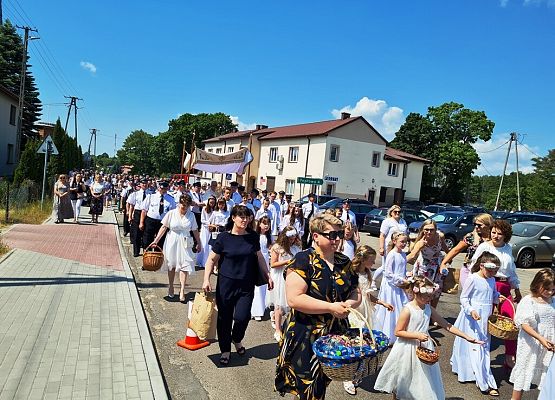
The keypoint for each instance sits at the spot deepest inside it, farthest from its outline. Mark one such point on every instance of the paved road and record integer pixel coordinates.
(198, 374)
(71, 322)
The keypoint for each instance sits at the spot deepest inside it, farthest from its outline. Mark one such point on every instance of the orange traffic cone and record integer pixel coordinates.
(191, 340)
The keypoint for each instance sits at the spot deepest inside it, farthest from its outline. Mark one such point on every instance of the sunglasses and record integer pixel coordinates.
(395, 212)
(429, 230)
(478, 225)
(333, 235)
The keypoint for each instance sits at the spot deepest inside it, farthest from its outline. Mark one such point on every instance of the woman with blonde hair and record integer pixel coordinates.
(470, 242)
(427, 255)
(62, 204)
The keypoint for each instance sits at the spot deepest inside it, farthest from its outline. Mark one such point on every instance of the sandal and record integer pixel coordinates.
(240, 349)
(492, 392)
(224, 360)
(350, 387)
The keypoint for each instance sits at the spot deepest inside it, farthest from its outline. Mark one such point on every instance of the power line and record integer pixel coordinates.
(497, 148)
(527, 148)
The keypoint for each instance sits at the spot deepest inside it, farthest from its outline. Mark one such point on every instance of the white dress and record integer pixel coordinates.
(547, 392)
(285, 221)
(471, 362)
(366, 307)
(395, 271)
(259, 301)
(277, 295)
(402, 371)
(349, 247)
(178, 246)
(532, 359)
(204, 238)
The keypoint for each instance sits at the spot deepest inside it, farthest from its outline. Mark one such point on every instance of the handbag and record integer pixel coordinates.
(204, 316)
(261, 279)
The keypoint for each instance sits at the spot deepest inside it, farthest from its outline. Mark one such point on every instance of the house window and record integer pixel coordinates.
(12, 114)
(405, 168)
(230, 149)
(218, 151)
(273, 154)
(210, 150)
(392, 169)
(330, 189)
(10, 154)
(293, 154)
(376, 159)
(334, 153)
(289, 186)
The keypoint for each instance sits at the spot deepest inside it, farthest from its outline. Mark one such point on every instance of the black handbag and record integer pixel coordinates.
(261, 279)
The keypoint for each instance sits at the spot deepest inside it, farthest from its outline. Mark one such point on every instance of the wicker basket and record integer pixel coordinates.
(428, 356)
(356, 368)
(153, 259)
(503, 327)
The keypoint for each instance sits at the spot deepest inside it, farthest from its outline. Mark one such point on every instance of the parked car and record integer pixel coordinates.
(499, 214)
(513, 218)
(413, 204)
(360, 207)
(453, 224)
(439, 207)
(320, 199)
(533, 242)
(373, 220)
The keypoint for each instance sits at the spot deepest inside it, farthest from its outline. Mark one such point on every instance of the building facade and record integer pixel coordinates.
(8, 131)
(346, 157)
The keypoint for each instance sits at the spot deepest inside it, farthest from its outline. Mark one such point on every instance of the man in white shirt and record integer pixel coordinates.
(246, 203)
(229, 202)
(155, 207)
(310, 210)
(283, 204)
(274, 208)
(211, 191)
(197, 201)
(179, 191)
(134, 210)
(347, 214)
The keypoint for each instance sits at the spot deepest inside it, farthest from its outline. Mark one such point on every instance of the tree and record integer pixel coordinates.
(69, 157)
(137, 151)
(31, 164)
(445, 136)
(11, 53)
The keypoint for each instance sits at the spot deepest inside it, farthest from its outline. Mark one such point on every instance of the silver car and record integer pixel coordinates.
(533, 242)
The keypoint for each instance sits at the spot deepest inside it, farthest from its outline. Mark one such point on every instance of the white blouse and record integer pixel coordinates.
(505, 255)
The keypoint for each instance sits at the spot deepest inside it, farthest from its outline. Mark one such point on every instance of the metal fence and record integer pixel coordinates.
(14, 197)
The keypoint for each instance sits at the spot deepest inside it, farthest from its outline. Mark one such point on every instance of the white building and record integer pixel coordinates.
(347, 157)
(8, 131)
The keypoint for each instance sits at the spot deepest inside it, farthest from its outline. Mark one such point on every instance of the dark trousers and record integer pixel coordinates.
(126, 225)
(307, 237)
(136, 235)
(234, 300)
(152, 226)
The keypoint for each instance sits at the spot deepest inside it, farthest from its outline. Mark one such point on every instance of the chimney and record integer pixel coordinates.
(259, 127)
(345, 115)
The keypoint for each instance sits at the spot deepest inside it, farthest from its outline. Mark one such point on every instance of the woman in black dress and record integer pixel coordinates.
(321, 286)
(236, 252)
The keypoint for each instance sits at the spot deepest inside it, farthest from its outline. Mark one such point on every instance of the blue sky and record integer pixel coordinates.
(138, 64)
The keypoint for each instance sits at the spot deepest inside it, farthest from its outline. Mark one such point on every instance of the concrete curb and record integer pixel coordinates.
(159, 388)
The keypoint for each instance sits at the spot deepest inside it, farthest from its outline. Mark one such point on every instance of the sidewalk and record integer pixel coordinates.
(71, 321)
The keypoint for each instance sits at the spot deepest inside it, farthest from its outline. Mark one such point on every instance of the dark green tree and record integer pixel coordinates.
(31, 164)
(11, 54)
(445, 136)
(137, 151)
(69, 157)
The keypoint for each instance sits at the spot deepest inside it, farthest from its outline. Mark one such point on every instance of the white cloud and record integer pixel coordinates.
(242, 126)
(492, 155)
(386, 119)
(503, 3)
(89, 66)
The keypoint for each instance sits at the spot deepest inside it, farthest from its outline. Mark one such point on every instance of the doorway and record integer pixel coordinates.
(270, 183)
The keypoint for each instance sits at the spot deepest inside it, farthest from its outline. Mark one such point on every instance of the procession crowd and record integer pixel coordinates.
(307, 266)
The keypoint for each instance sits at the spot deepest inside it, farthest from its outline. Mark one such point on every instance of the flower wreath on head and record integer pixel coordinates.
(424, 289)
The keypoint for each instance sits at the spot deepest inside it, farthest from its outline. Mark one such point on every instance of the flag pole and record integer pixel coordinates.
(249, 171)
(182, 158)
(191, 158)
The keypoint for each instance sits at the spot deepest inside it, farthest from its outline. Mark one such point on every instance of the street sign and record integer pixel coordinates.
(310, 181)
(48, 146)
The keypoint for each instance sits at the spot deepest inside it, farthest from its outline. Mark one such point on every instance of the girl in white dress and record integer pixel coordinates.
(362, 263)
(403, 374)
(205, 215)
(259, 302)
(547, 391)
(469, 361)
(536, 317)
(218, 219)
(285, 248)
(293, 218)
(395, 272)
(348, 244)
(178, 245)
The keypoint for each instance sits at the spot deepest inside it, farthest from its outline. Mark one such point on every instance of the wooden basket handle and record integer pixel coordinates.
(154, 246)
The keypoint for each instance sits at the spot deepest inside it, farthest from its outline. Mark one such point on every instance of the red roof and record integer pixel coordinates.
(303, 130)
(231, 135)
(399, 155)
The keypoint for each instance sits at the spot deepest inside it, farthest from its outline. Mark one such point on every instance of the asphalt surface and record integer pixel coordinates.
(197, 374)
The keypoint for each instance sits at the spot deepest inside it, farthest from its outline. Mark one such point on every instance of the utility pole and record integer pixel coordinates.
(72, 103)
(21, 102)
(93, 137)
(1, 15)
(517, 182)
(513, 138)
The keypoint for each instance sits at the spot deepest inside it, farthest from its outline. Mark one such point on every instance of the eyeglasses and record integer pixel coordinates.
(396, 212)
(478, 225)
(428, 229)
(333, 235)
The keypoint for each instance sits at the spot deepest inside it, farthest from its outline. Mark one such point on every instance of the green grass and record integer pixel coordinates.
(4, 248)
(28, 214)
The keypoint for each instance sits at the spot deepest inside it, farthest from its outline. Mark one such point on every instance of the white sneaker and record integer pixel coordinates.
(350, 387)
(258, 318)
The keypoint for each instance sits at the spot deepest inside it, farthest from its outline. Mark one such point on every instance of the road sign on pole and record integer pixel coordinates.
(43, 149)
(310, 181)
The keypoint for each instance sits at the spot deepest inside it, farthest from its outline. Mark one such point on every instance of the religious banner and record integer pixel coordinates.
(222, 164)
